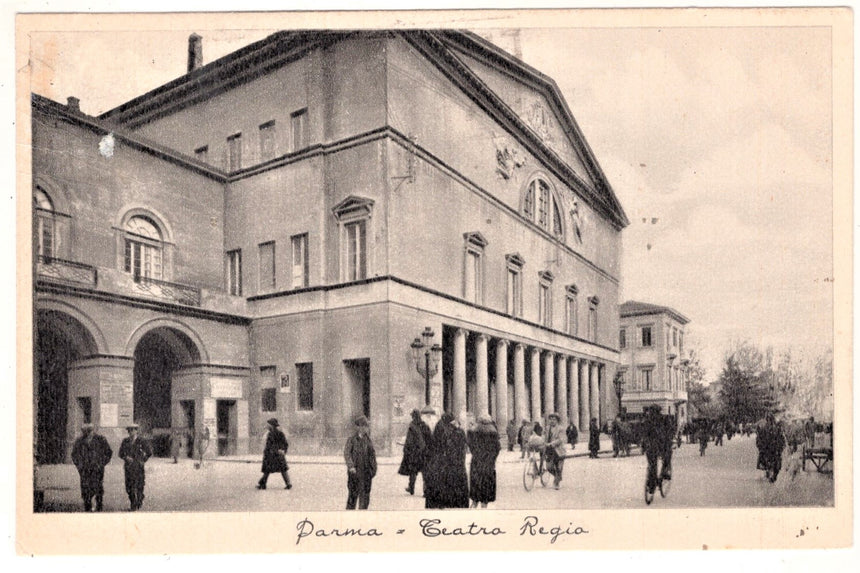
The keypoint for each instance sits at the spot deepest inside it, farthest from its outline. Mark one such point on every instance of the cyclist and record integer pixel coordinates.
(657, 433)
(554, 452)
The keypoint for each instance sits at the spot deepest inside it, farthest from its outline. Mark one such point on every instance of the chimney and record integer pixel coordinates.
(195, 52)
(74, 104)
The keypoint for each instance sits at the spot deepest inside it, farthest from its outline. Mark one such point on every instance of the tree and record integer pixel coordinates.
(746, 392)
(697, 393)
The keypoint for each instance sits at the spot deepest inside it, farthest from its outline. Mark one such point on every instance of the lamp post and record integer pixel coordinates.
(618, 381)
(430, 365)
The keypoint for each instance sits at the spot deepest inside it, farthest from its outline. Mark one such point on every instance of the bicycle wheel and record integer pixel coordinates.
(529, 474)
(545, 476)
(665, 486)
(649, 495)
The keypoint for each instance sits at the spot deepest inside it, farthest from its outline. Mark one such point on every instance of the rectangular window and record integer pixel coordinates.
(515, 297)
(142, 260)
(202, 154)
(267, 141)
(356, 250)
(622, 338)
(305, 376)
(472, 278)
(268, 392)
(544, 305)
(234, 272)
(267, 266)
(234, 148)
(299, 126)
(675, 337)
(592, 324)
(571, 315)
(300, 261)
(646, 336)
(646, 378)
(681, 343)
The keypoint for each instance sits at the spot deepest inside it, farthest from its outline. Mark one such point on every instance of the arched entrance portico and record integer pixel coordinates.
(61, 340)
(158, 355)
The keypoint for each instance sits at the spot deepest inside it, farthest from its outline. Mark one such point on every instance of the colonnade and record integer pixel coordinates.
(575, 387)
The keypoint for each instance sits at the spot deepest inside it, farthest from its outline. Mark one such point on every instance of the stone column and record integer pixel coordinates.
(549, 382)
(482, 385)
(502, 416)
(573, 391)
(458, 403)
(520, 410)
(594, 391)
(562, 389)
(584, 401)
(535, 380)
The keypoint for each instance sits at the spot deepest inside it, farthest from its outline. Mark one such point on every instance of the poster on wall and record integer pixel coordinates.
(109, 416)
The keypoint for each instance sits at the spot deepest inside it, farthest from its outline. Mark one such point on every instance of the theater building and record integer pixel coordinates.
(269, 234)
(653, 369)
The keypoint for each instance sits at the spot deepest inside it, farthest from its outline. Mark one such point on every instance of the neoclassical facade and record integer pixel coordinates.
(300, 228)
(653, 368)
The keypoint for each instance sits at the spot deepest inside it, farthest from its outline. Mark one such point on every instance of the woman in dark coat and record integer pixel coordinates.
(275, 456)
(415, 449)
(447, 483)
(593, 438)
(484, 445)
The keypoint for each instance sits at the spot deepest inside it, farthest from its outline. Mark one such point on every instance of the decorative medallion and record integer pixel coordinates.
(508, 157)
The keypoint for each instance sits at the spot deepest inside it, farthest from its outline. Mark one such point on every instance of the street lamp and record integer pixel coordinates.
(430, 365)
(618, 381)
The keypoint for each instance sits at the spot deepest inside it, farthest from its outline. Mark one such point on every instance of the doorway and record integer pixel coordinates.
(357, 387)
(225, 423)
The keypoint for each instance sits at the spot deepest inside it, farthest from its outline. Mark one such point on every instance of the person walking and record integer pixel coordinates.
(484, 444)
(414, 459)
(770, 442)
(615, 433)
(572, 434)
(134, 451)
(593, 438)
(523, 437)
(360, 465)
(90, 454)
(657, 433)
(275, 455)
(511, 434)
(202, 445)
(447, 483)
(703, 439)
(554, 451)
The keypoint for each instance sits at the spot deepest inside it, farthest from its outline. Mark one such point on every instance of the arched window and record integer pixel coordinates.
(45, 223)
(540, 206)
(143, 248)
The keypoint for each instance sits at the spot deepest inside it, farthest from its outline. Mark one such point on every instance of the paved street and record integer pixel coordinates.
(724, 477)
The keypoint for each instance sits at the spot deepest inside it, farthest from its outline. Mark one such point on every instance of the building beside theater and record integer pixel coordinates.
(269, 234)
(653, 370)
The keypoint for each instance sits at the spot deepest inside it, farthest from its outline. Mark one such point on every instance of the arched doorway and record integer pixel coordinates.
(158, 355)
(60, 340)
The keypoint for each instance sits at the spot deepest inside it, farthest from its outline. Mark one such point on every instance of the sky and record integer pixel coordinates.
(717, 142)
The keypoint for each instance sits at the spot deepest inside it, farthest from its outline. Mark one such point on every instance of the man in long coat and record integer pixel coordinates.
(511, 432)
(418, 438)
(90, 454)
(134, 451)
(485, 446)
(593, 438)
(275, 455)
(657, 434)
(360, 457)
(447, 482)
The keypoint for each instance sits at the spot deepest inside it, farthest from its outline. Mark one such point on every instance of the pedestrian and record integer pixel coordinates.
(178, 443)
(657, 435)
(703, 439)
(554, 451)
(90, 454)
(593, 438)
(523, 437)
(770, 442)
(202, 445)
(360, 465)
(275, 455)
(134, 451)
(447, 483)
(415, 450)
(615, 433)
(809, 431)
(511, 431)
(484, 444)
(572, 434)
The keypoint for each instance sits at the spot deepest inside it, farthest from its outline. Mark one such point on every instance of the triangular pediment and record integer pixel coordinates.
(353, 206)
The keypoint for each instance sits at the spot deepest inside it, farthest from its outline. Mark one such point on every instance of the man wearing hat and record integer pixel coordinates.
(90, 454)
(555, 439)
(360, 459)
(134, 451)
(275, 455)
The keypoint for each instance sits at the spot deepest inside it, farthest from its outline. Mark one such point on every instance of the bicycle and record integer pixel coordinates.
(664, 484)
(534, 468)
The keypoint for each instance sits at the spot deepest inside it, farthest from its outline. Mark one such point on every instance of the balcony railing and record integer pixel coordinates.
(174, 292)
(61, 270)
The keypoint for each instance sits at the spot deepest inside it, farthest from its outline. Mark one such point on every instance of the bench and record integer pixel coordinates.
(819, 457)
